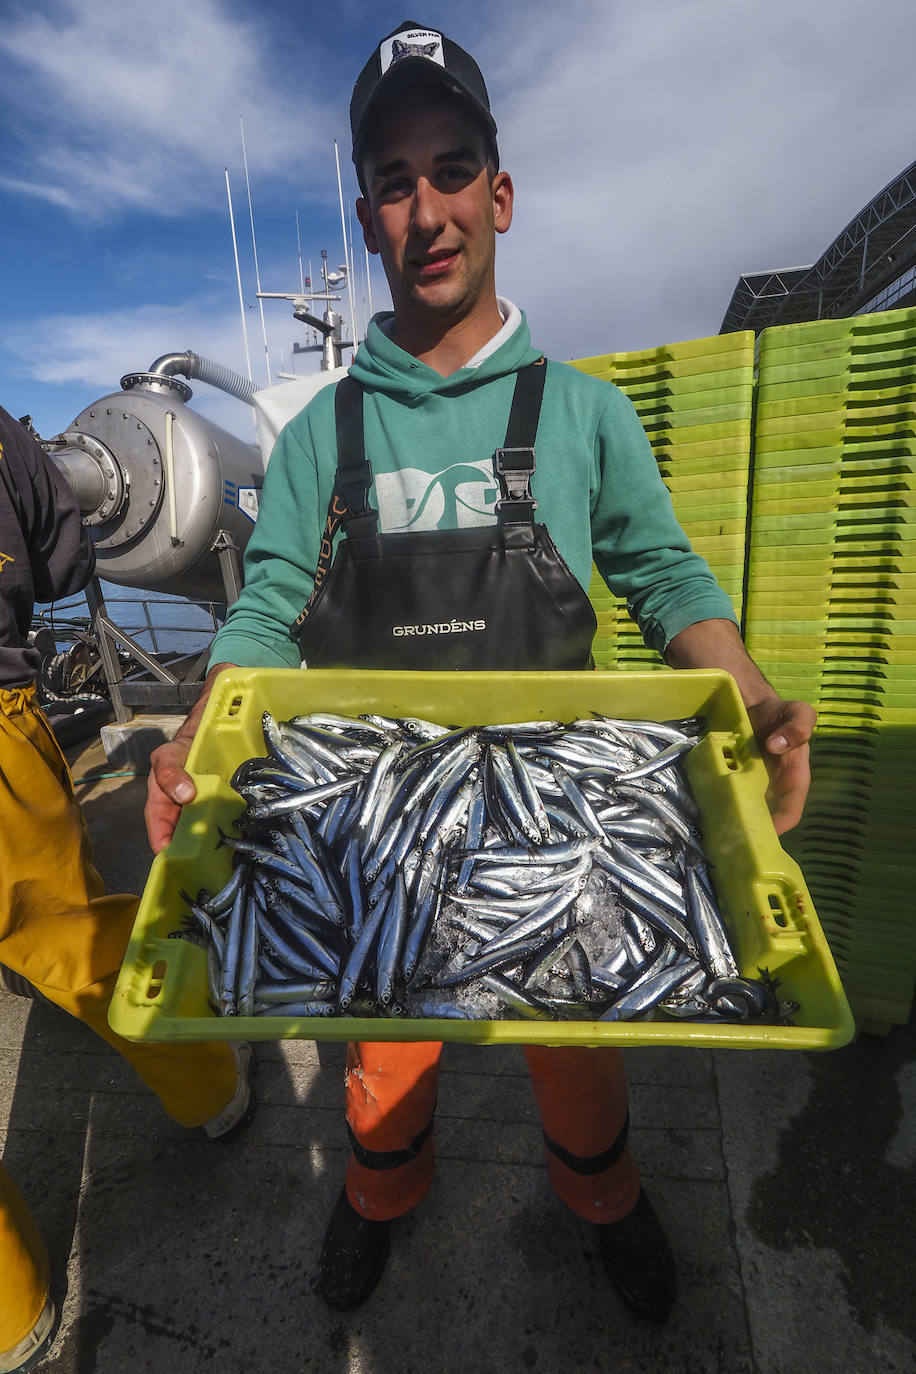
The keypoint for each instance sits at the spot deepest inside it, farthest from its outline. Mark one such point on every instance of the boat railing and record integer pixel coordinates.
(153, 621)
(154, 650)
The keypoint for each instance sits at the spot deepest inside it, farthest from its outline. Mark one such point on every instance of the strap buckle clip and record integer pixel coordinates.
(514, 468)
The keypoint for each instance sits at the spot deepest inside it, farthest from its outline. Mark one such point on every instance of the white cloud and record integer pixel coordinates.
(95, 349)
(120, 108)
(660, 149)
(84, 355)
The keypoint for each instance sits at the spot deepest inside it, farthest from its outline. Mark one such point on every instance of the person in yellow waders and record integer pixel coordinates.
(61, 935)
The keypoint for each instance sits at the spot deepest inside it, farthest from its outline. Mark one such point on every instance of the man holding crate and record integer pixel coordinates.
(438, 421)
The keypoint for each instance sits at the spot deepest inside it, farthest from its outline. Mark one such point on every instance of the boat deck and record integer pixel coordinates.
(785, 1180)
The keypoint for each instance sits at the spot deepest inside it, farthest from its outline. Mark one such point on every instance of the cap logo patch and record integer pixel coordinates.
(411, 43)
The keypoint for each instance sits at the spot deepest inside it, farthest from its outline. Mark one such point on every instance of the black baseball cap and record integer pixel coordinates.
(411, 52)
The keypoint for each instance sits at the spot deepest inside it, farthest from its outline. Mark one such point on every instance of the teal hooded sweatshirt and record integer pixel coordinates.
(430, 441)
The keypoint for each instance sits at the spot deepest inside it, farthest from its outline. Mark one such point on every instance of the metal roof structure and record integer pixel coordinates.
(871, 265)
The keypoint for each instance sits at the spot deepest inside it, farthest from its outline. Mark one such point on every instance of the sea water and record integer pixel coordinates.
(159, 622)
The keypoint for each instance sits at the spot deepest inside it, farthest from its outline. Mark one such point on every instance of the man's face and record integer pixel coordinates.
(433, 206)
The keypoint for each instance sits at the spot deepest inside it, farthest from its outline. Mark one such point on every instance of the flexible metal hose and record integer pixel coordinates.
(193, 365)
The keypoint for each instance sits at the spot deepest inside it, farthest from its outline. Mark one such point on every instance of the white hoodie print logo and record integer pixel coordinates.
(461, 496)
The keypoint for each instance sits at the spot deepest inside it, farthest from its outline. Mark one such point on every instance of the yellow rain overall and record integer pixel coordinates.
(61, 931)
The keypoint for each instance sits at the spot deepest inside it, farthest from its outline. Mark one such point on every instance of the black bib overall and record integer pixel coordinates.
(489, 597)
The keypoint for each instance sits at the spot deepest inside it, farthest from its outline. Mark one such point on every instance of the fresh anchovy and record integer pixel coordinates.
(528, 791)
(669, 816)
(301, 800)
(231, 953)
(450, 800)
(287, 751)
(513, 799)
(391, 940)
(543, 916)
(221, 901)
(206, 924)
(248, 960)
(277, 991)
(564, 860)
(287, 945)
(422, 730)
(362, 728)
(649, 991)
(516, 998)
(546, 854)
(669, 755)
(711, 936)
(577, 799)
(555, 950)
(316, 1007)
(427, 901)
(480, 925)
(580, 970)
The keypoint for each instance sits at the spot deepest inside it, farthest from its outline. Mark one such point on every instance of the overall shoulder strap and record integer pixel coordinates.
(515, 462)
(354, 472)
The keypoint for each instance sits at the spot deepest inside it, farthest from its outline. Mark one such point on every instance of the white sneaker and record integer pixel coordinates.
(239, 1111)
(33, 1347)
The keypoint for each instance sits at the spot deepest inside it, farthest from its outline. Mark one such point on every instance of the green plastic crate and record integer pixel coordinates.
(862, 330)
(736, 380)
(816, 369)
(161, 990)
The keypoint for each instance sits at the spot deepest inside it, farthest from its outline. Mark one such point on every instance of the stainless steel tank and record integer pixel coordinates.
(161, 488)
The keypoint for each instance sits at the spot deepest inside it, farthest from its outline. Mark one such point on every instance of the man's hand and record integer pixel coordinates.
(782, 728)
(168, 788)
(783, 731)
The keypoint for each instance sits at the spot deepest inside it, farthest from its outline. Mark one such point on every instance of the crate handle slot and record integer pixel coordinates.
(235, 706)
(778, 909)
(728, 755)
(157, 974)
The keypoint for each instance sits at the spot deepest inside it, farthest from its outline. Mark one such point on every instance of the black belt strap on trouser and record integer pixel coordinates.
(388, 1159)
(591, 1164)
(513, 463)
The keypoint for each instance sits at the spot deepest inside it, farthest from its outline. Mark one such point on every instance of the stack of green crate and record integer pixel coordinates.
(695, 401)
(831, 619)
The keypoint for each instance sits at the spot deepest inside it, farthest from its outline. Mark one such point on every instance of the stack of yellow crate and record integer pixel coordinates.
(831, 619)
(695, 401)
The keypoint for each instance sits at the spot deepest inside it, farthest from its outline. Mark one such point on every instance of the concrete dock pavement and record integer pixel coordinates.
(786, 1181)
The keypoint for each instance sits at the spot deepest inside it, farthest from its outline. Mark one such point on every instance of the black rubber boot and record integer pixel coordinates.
(18, 986)
(638, 1261)
(352, 1257)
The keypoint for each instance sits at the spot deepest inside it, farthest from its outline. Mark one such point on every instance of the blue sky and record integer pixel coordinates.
(658, 147)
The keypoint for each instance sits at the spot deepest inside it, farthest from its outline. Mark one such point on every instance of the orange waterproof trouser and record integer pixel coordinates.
(581, 1095)
(61, 931)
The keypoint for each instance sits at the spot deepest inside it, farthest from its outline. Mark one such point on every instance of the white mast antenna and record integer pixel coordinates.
(238, 277)
(299, 250)
(343, 230)
(257, 274)
(368, 284)
(352, 258)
